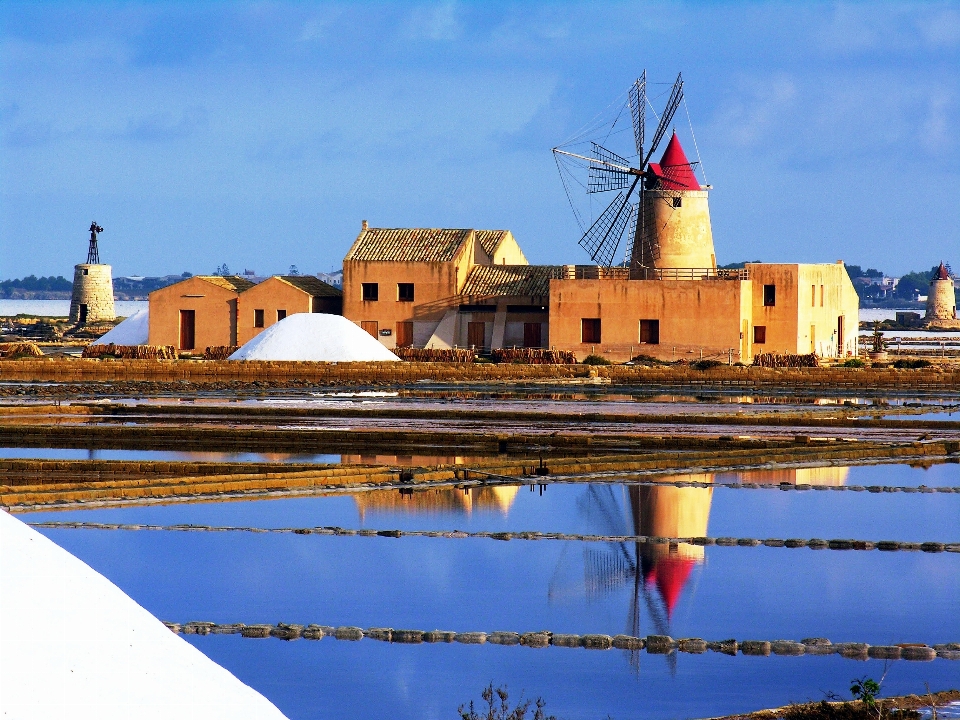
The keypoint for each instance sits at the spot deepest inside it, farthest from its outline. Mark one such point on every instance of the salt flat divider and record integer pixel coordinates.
(813, 543)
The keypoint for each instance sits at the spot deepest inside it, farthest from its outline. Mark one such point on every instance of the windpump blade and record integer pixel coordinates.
(638, 107)
(601, 177)
(603, 237)
(673, 102)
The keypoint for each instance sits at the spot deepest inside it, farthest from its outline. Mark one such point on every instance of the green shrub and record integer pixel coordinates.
(705, 364)
(911, 364)
(595, 360)
(853, 363)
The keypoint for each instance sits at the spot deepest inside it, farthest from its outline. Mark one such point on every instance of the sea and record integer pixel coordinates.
(61, 308)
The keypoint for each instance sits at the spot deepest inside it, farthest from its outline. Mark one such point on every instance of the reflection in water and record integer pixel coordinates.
(410, 460)
(658, 573)
(436, 501)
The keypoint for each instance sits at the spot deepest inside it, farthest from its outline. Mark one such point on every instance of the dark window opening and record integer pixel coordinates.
(258, 318)
(678, 201)
(281, 314)
(465, 308)
(527, 309)
(590, 330)
(404, 292)
(83, 313)
(759, 334)
(650, 332)
(371, 291)
(86, 272)
(769, 295)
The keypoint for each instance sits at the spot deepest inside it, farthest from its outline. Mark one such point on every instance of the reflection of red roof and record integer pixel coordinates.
(674, 169)
(670, 574)
(942, 273)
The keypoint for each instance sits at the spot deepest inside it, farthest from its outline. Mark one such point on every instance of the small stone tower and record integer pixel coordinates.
(92, 300)
(941, 298)
(676, 218)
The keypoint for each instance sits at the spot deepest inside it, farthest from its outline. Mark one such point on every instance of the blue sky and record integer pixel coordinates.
(261, 134)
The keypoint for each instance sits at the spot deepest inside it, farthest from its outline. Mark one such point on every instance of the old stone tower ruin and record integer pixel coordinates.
(92, 300)
(941, 299)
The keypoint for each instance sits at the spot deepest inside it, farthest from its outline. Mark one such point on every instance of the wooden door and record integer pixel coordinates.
(532, 337)
(370, 326)
(404, 334)
(188, 327)
(476, 334)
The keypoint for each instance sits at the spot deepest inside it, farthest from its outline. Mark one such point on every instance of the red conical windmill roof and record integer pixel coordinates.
(942, 273)
(675, 170)
(670, 575)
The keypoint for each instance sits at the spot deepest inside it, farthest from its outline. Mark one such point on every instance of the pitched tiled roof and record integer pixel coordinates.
(407, 244)
(489, 239)
(310, 284)
(228, 282)
(507, 280)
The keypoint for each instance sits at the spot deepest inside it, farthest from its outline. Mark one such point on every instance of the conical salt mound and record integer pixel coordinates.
(74, 645)
(135, 330)
(314, 337)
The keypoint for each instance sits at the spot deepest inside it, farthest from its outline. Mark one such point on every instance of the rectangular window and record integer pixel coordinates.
(678, 201)
(188, 325)
(371, 291)
(759, 334)
(404, 334)
(769, 295)
(650, 332)
(533, 335)
(590, 330)
(821, 296)
(281, 314)
(404, 292)
(258, 318)
(813, 296)
(371, 326)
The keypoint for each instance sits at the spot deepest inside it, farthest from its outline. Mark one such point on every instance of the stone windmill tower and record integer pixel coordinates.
(92, 300)
(941, 298)
(661, 206)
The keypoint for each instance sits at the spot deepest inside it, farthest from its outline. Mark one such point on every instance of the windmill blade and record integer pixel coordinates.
(603, 237)
(638, 107)
(601, 177)
(673, 102)
(634, 227)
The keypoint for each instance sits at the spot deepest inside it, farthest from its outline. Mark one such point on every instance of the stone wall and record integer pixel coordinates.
(941, 301)
(93, 289)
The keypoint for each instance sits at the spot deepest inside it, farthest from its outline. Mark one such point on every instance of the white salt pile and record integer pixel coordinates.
(73, 645)
(135, 330)
(314, 336)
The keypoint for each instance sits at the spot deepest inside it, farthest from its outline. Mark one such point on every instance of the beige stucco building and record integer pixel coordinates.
(197, 313)
(270, 301)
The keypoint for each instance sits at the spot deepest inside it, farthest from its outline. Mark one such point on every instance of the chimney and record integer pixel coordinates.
(363, 225)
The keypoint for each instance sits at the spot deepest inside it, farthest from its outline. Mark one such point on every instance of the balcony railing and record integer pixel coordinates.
(596, 272)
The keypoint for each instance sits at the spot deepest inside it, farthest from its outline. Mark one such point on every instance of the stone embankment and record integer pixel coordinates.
(792, 543)
(33, 484)
(652, 644)
(77, 370)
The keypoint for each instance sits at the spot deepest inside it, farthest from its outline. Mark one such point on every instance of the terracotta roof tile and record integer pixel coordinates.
(489, 239)
(408, 244)
(311, 285)
(228, 282)
(511, 280)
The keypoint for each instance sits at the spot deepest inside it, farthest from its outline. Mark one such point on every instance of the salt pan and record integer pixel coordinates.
(73, 645)
(316, 337)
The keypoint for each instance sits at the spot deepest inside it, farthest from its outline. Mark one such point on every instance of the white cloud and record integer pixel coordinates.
(435, 22)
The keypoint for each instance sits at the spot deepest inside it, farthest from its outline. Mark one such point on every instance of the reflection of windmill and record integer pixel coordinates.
(608, 171)
(656, 573)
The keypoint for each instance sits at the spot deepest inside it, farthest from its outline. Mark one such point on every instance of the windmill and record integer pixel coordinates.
(608, 171)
